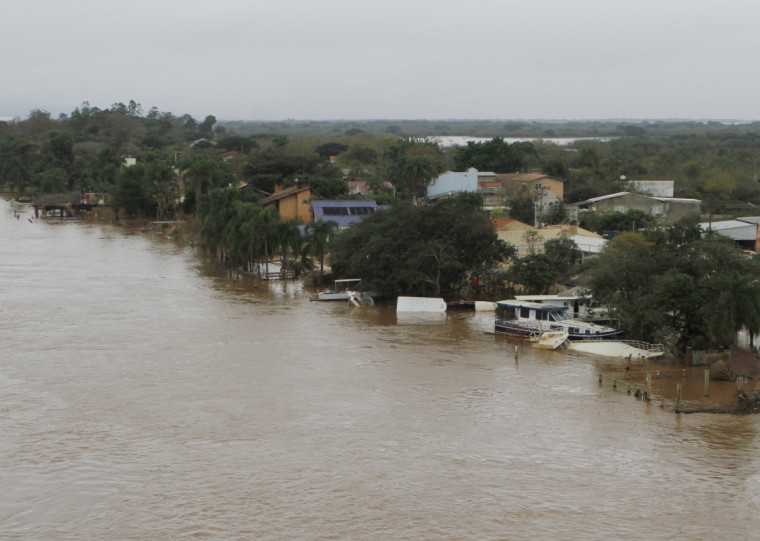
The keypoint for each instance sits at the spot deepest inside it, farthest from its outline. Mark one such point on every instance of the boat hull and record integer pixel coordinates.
(618, 348)
(528, 329)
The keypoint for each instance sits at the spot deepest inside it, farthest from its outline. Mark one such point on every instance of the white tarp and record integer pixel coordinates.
(420, 304)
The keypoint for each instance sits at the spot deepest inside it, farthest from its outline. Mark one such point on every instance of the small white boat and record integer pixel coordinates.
(551, 340)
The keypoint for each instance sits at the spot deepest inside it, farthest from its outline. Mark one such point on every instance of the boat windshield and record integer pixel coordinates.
(559, 316)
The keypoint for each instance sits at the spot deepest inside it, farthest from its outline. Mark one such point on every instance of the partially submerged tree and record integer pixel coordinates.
(428, 250)
(318, 235)
(674, 285)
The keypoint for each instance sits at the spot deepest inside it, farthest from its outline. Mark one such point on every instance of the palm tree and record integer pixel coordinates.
(290, 239)
(202, 173)
(267, 229)
(318, 238)
(736, 305)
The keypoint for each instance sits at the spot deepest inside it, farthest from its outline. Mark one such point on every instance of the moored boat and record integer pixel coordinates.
(618, 348)
(343, 290)
(531, 319)
(549, 327)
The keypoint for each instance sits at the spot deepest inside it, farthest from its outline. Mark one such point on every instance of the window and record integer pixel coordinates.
(335, 211)
(656, 210)
(619, 208)
(347, 211)
(524, 313)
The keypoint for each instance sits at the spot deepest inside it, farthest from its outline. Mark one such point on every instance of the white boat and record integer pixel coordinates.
(548, 327)
(343, 290)
(531, 319)
(359, 299)
(618, 348)
(551, 340)
(578, 305)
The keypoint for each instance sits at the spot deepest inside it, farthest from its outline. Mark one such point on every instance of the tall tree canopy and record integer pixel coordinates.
(494, 155)
(673, 285)
(429, 250)
(412, 164)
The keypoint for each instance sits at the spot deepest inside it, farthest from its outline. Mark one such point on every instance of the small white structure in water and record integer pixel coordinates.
(420, 304)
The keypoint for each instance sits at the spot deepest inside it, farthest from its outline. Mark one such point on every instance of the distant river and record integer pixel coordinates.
(461, 140)
(145, 395)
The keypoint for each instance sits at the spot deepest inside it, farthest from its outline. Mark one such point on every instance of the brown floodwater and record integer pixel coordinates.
(145, 395)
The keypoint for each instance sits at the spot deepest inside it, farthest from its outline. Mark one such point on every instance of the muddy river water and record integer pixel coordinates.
(145, 395)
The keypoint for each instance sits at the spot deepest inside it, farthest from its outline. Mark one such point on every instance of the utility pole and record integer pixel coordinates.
(538, 204)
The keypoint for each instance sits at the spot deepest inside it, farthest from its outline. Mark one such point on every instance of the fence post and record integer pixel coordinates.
(707, 381)
(679, 389)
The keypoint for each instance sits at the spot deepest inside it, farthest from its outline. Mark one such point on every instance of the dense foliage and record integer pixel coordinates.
(495, 155)
(674, 285)
(428, 250)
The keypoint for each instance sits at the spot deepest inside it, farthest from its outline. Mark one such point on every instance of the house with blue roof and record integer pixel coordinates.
(343, 212)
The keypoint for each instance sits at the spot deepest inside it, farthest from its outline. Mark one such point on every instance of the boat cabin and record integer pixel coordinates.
(530, 311)
(525, 318)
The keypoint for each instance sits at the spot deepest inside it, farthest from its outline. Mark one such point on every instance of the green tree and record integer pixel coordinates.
(130, 192)
(412, 164)
(419, 250)
(216, 211)
(555, 214)
(162, 188)
(563, 253)
(202, 173)
(494, 155)
(535, 272)
(52, 181)
(281, 162)
(674, 285)
(329, 188)
(318, 235)
(58, 151)
(16, 174)
(522, 208)
(333, 148)
(718, 188)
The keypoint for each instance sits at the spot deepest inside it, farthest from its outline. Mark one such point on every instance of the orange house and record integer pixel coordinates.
(554, 188)
(292, 202)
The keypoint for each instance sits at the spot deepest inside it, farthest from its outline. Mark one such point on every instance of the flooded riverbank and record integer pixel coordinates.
(146, 395)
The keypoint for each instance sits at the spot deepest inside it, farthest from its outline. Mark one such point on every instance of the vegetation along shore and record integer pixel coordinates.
(533, 219)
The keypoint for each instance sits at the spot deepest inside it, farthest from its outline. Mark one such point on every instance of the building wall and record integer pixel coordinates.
(295, 206)
(513, 233)
(670, 211)
(554, 189)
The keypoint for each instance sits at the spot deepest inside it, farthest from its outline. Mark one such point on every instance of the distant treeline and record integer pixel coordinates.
(488, 128)
(180, 158)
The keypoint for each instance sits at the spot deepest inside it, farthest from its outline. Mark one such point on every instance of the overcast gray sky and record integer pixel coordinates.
(393, 59)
